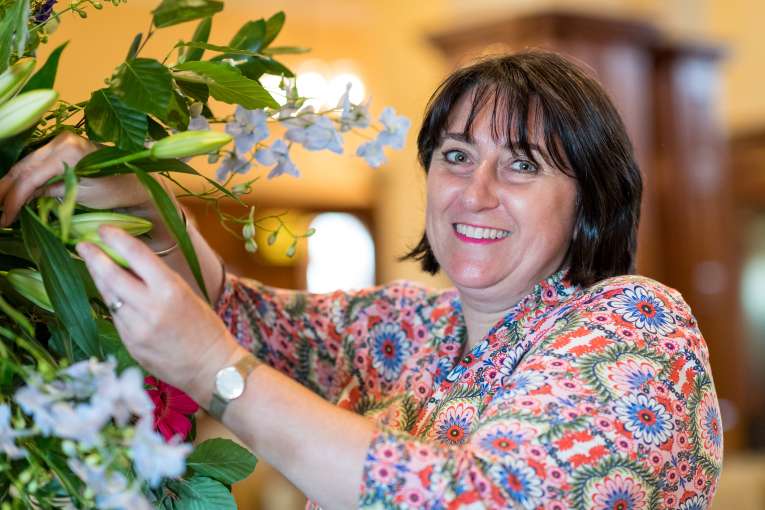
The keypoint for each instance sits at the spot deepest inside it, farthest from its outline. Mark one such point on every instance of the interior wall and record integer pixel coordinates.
(386, 43)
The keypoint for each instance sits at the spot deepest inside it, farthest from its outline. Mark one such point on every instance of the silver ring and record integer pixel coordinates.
(115, 305)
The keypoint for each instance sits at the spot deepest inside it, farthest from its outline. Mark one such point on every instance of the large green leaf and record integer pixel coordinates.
(221, 459)
(12, 148)
(255, 67)
(216, 47)
(201, 35)
(172, 12)
(45, 77)
(109, 119)
(174, 222)
(177, 115)
(203, 493)
(274, 25)
(113, 345)
(227, 84)
(250, 36)
(106, 154)
(14, 32)
(144, 84)
(62, 283)
(198, 91)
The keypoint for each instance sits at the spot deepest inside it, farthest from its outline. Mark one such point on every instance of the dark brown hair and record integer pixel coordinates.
(583, 136)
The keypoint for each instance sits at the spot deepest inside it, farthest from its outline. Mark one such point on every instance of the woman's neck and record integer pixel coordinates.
(482, 314)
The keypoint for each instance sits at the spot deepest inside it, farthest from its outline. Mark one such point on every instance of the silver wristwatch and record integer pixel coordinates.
(230, 383)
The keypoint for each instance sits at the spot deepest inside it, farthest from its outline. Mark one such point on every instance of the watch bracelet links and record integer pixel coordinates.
(245, 366)
(171, 249)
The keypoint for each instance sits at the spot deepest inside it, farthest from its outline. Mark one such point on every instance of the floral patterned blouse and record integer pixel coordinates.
(578, 398)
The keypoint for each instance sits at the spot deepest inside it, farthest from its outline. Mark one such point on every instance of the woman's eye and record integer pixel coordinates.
(455, 157)
(524, 166)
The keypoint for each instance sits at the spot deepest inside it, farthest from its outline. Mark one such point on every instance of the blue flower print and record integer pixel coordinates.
(645, 418)
(643, 309)
(390, 348)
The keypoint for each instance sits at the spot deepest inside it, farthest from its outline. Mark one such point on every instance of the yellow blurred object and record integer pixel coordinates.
(275, 253)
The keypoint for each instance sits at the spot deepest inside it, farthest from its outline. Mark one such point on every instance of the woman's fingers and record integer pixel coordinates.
(112, 281)
(142, 260)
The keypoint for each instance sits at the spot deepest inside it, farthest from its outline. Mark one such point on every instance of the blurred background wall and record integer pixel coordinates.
(687, 76)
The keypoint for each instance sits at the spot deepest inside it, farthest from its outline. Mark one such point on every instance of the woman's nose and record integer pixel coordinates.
(480, 191)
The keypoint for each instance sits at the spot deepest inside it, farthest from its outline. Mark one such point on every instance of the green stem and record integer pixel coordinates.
(118, 161)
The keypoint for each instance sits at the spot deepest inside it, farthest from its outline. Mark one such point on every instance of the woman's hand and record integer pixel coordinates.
(26, 180)
(167, 328)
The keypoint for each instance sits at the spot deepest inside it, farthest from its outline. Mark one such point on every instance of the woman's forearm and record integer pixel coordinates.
(316, 445)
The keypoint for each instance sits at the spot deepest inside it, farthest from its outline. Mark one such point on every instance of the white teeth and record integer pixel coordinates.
(480, 232)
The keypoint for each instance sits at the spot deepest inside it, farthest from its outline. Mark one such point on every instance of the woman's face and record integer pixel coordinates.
(497, 222)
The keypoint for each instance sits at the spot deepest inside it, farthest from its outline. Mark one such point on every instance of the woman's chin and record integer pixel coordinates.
(472, 277)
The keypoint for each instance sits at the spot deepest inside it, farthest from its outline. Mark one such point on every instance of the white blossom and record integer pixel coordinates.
(248, 128)
(82, 422)
(8, 434)
(318, 135)
(372, 152)
(111, 490)
(277, 154)
(232, 163)
(352, 115)
(38, 404)
(153, 458)
(125, 394)
(396, 128)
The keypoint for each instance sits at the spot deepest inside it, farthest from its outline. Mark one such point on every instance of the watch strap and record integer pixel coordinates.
(245, 365)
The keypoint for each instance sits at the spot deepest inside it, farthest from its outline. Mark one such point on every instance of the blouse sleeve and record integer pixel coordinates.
(614, 402)
(298, 333)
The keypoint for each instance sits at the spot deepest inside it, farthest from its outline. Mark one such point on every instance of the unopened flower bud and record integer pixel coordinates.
(189, 143)
(248, 231)
(15, 77)
(195, 110)
(24, 110)
(87, 224)
(68, 447)
(29, 283)
(251, 246)
(292, 249)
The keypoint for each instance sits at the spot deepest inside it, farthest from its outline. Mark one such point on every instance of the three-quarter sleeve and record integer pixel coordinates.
(613, 406)
(298, 333)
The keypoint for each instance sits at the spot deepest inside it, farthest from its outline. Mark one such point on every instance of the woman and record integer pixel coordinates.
(548, 378)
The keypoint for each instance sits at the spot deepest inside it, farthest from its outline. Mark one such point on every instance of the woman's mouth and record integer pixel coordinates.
(478, 235)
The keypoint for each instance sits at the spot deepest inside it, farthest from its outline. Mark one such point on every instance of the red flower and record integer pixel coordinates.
(172, 408)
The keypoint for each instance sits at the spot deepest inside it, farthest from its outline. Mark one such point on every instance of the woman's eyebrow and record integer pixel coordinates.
(460, 137)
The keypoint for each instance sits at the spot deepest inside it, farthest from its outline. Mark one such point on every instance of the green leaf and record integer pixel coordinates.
(113, 345)
(66, 209)
(107, 154)
(17, 317)
(177, 115)
(45, 77)
(12, 148)
(144, 84)
(215, 47)
(273, 27)
(255, 67)
(62, 283)
(109, 119)
(201, 35)
(221, 459)
(285, 50)
(198, 91)
(227, 84)
(156, 130)
(250, 37)
(172, 12)
(203, 493)
(133, 50)
(174, 222)
(14, 32)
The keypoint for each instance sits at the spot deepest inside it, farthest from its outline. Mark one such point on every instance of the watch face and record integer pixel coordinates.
(229, 383)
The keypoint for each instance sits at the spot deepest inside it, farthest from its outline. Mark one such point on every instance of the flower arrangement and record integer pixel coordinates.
(81, 424)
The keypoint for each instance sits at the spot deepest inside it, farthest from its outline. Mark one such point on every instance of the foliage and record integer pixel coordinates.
(78, 422)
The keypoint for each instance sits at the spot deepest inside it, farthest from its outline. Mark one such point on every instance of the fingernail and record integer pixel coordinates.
(82, 249)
